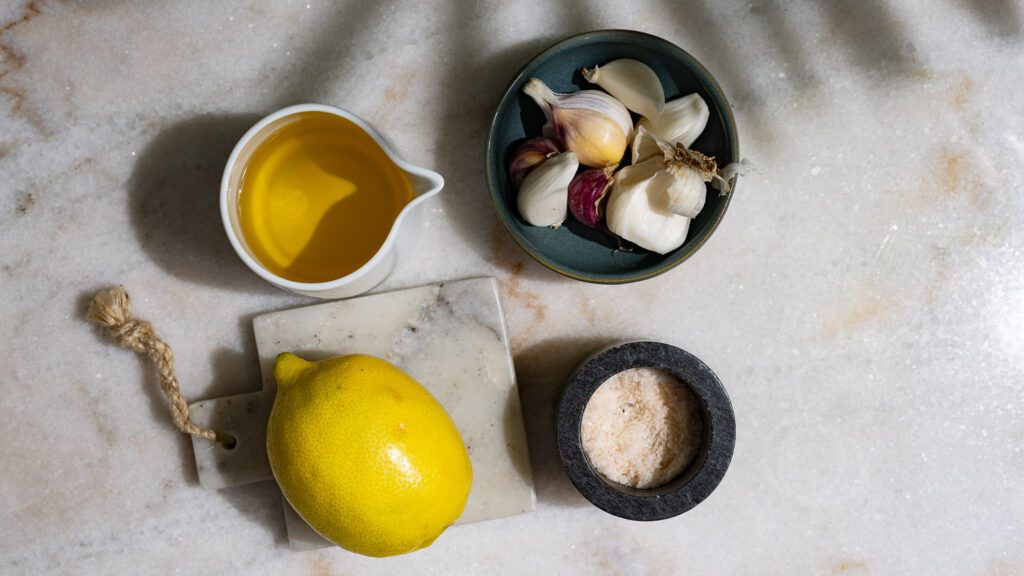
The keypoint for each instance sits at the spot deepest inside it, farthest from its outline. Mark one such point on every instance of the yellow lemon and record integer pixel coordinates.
(365, 454)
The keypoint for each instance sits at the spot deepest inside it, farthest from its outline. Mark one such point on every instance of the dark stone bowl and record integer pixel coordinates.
(697, 481)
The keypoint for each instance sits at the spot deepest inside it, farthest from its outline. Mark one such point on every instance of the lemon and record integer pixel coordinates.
(365, 454)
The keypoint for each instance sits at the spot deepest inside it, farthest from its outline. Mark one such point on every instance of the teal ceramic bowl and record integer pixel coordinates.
(573, 249)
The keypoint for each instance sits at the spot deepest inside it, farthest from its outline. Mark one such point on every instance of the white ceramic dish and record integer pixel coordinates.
(425, 184)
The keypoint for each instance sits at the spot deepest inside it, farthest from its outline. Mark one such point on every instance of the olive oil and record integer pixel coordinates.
(318, 198)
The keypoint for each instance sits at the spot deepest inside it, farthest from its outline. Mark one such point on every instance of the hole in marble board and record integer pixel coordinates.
(230, 442)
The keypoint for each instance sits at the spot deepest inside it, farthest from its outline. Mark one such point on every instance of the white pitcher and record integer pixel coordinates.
(425, 184)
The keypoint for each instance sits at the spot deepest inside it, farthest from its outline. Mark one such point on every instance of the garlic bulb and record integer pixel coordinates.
(543, 198)
(689, 170)
(681, 120)
(528, 156)
(679, 190)
(632, 82)
(632, 215)
(681, 173)
(594, 125)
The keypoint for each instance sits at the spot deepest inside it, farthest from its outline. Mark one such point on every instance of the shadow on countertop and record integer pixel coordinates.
(175, 187)
(175, 184)
(174, 195)
(878, 40)
(1001, 17)
(541, 371)
(465, 120)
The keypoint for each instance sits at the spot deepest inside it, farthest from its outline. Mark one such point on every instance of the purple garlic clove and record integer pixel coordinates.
(528, 156)
(587, 195)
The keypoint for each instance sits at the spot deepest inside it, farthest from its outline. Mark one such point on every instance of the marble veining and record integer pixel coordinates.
(861, 301)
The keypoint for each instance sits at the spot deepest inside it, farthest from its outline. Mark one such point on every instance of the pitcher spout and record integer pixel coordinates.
(425, 183)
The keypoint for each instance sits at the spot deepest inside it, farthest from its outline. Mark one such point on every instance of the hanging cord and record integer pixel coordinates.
(111, 309)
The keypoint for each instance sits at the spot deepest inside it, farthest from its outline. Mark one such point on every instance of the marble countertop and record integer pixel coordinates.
(862, 301)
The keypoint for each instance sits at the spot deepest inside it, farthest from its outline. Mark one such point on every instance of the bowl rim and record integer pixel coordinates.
(708, 467)
(729, 122)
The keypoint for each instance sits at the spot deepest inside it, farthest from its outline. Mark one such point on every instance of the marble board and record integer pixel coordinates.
(450, 337)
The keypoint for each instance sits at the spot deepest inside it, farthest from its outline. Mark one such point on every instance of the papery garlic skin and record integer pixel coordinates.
(680, 191)
(528, 156)
(631, 82)
(594, 125)
(681, 120)
(688, 170)
(645, 145)
(543, 198)
(633, 216)
(721, 181)
(635, 173)
(682, 173)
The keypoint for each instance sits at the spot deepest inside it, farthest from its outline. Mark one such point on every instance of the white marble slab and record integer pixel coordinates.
(450, 337)
(861, 300)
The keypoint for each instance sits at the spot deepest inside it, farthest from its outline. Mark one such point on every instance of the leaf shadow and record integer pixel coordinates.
(1001, 17)
(465, 119)
(878, 40)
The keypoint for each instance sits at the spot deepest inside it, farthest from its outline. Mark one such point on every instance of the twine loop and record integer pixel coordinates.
(111, 309)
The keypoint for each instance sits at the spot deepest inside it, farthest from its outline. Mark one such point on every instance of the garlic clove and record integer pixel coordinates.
(633, 216)
(594, 125)
(681, 120)
(595, 142)
(544, 195)
(528, 156)
(588, 193)
(631, 82)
